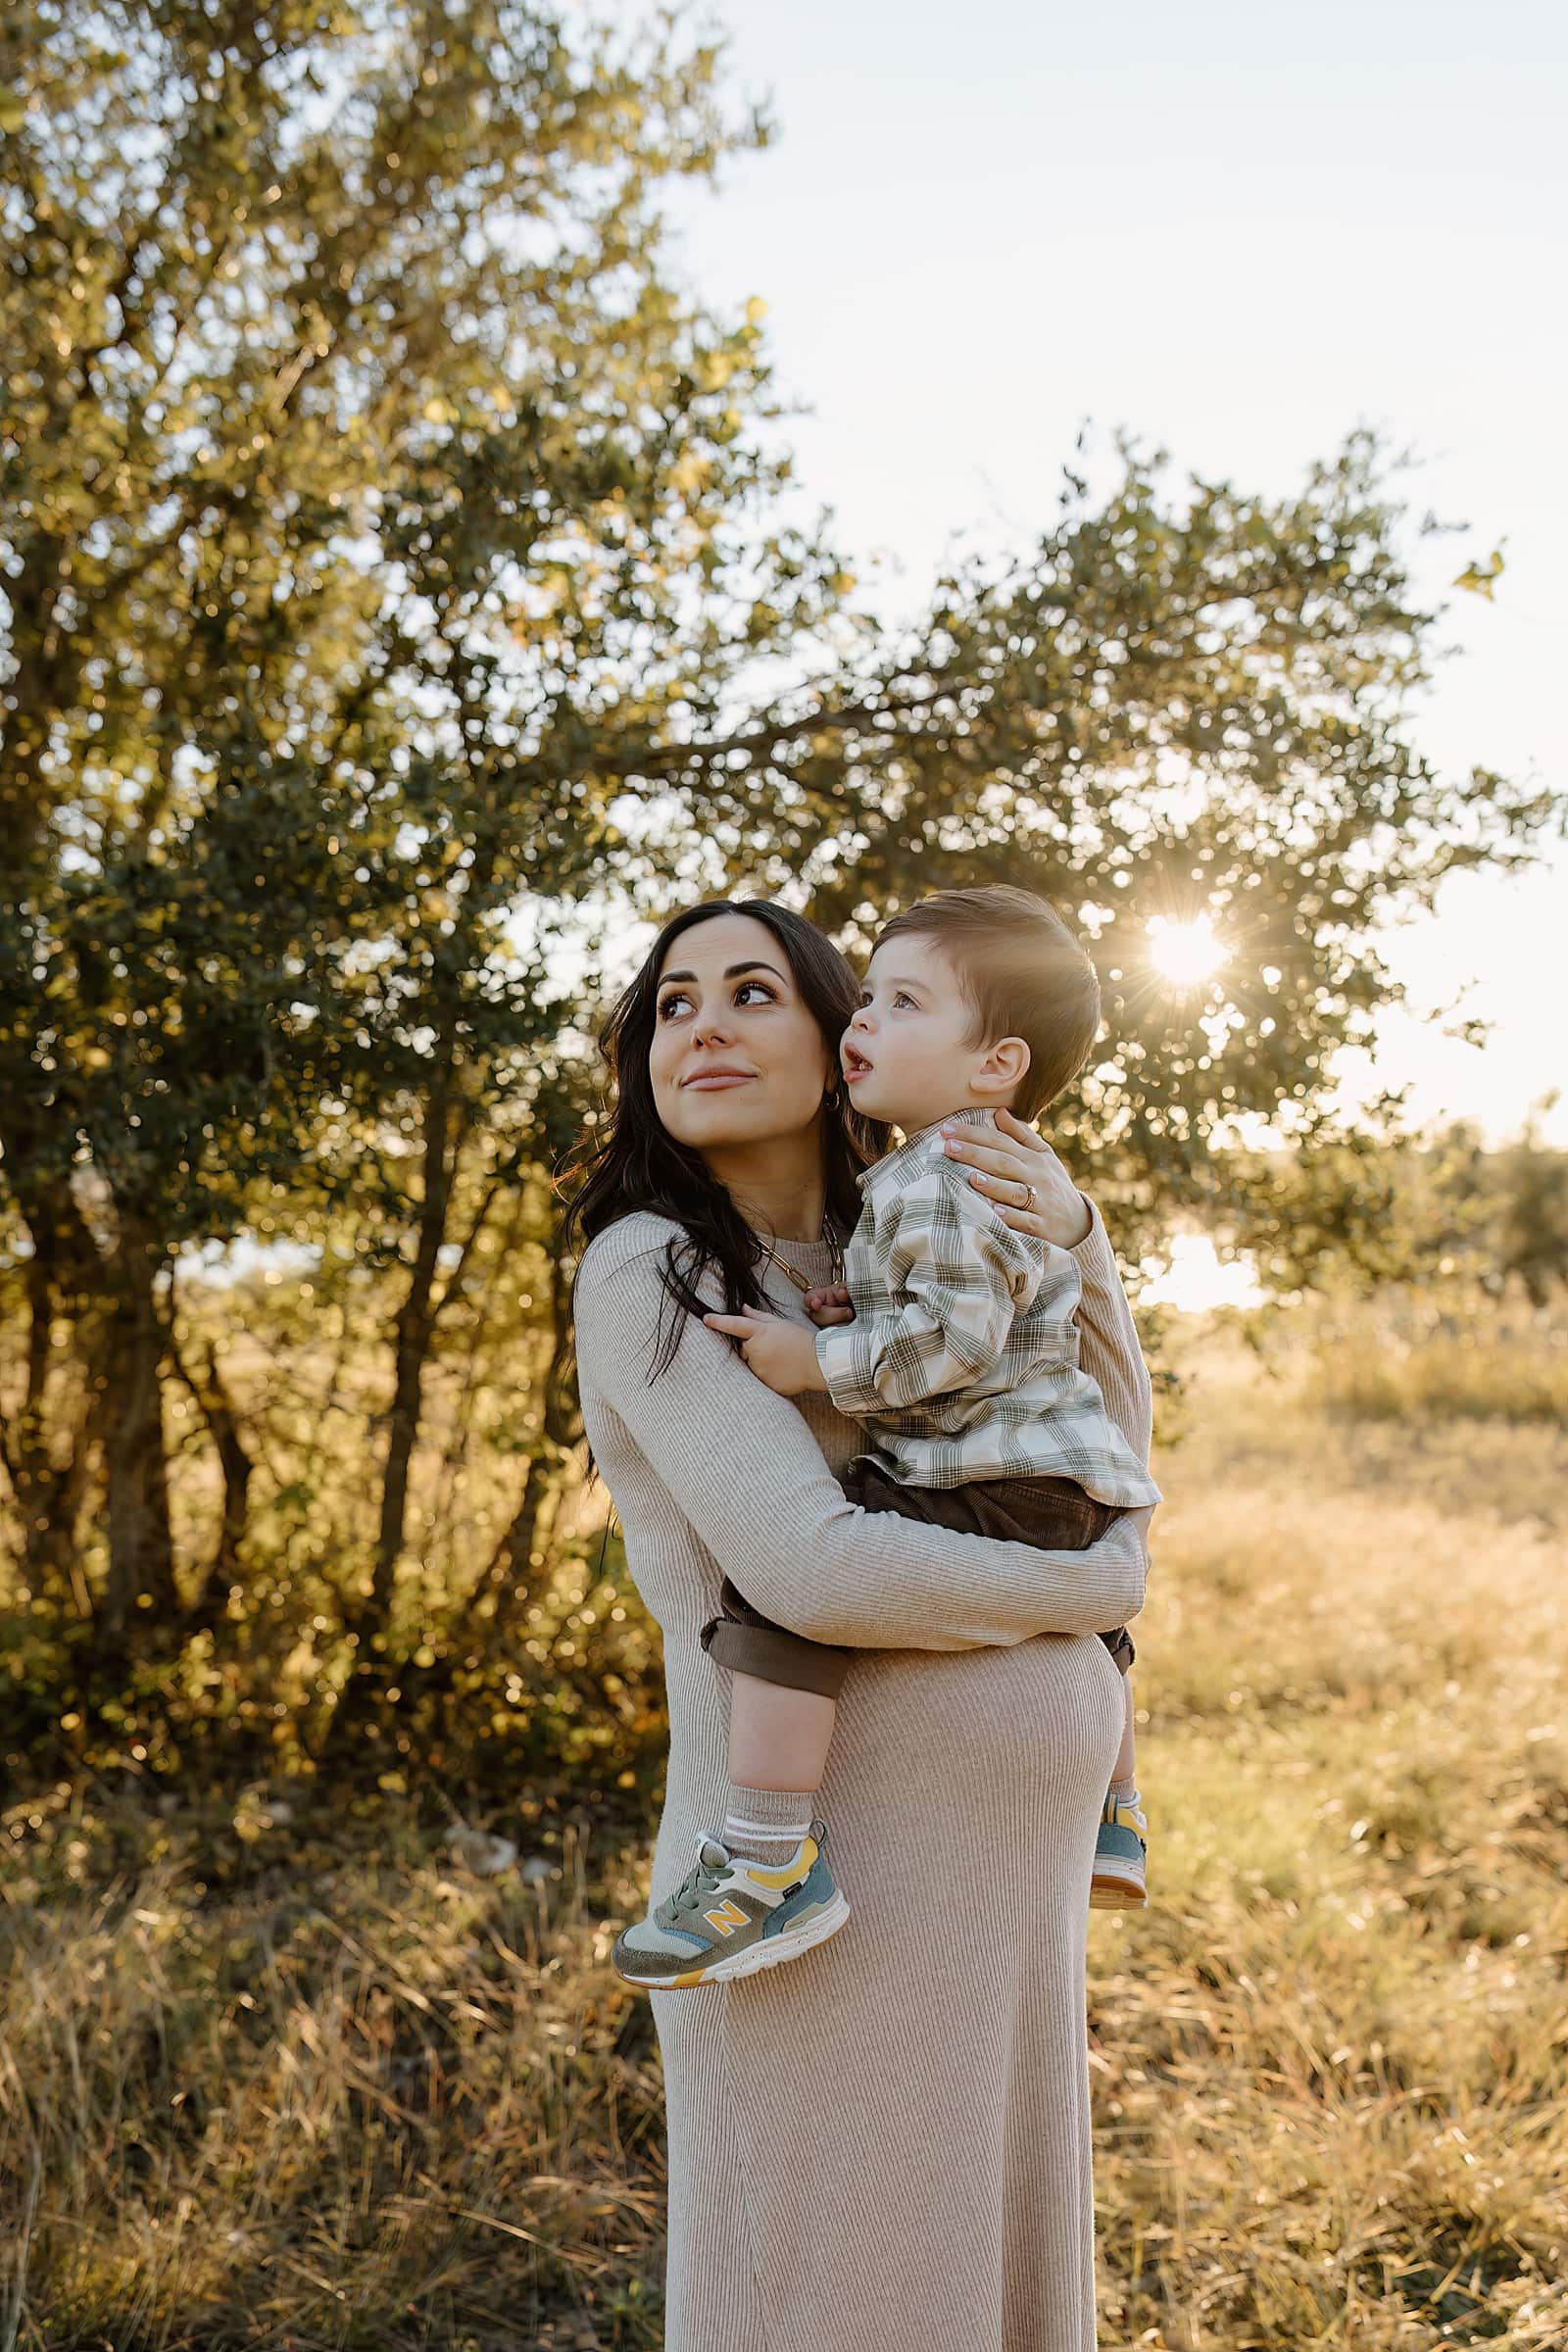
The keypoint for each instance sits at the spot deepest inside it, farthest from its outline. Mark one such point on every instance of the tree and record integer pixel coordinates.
(392, 598)
(1533, 1235)
(354, 448)
(1439, 1211)
(1190, 704)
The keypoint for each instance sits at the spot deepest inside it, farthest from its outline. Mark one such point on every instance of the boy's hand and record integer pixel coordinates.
(779, 1352)
(829, 1307)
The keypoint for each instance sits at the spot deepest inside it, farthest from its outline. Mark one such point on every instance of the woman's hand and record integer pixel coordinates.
(1023, 1179)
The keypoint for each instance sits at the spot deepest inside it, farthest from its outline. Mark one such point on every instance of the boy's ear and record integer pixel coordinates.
(1002, 1067)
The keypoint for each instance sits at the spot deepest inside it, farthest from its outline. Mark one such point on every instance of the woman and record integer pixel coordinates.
(884, 2148)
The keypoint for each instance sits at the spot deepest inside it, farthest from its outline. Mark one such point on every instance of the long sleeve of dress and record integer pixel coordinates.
(1108, 1348)
(743, 1467)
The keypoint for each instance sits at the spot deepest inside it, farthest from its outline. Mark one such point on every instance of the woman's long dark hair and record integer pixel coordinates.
(640, 1165)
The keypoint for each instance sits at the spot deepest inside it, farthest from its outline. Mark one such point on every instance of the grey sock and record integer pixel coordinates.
(765, 1825)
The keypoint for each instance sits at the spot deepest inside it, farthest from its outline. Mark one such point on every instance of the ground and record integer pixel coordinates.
(276, 2070)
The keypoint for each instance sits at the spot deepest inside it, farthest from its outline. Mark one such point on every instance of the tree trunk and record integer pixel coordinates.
(47, 668)
(131, 1404)
(217, 1408)
(510, 1568)
(414, 1331)
(512, 1574)
(63, 1275)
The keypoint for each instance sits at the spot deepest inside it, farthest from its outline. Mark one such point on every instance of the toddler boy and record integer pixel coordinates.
(961, 1360)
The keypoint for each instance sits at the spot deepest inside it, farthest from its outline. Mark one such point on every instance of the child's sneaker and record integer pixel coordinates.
(732, 1916)
(1120, 1851)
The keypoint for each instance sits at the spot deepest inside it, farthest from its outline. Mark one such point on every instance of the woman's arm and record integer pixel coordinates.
(1108, 1341)
(1004, 1171)
(744, 1468)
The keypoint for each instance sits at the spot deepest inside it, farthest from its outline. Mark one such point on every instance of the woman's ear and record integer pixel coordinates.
(1002, 1067)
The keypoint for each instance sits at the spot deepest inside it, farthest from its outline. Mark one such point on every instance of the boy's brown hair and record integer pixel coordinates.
(1024, 973)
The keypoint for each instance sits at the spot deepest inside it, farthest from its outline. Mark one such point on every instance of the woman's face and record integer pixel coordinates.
(737, 1057)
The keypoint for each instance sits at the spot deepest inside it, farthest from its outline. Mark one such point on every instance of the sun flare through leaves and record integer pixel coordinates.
(1185, 953)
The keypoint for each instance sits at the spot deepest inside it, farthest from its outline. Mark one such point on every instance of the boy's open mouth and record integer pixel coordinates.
(854, 1063)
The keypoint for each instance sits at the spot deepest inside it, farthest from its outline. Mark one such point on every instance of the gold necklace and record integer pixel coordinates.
(801, 1281)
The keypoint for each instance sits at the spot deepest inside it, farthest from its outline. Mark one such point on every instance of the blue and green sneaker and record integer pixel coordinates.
(732, 1917)
(1121, 1848)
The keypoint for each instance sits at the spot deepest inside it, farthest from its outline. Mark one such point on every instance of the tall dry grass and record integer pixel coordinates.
(1332, 2060)
(275, 2072)
(1437, 1356)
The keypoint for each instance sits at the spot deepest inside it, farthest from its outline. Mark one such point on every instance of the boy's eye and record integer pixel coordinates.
(902, 996)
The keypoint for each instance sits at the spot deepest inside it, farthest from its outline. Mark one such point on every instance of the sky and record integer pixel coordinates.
(1238, 232)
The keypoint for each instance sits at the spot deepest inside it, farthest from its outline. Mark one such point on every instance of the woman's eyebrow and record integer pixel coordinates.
(732, 971)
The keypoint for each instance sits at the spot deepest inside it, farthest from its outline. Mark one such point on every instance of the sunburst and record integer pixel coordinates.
(1186, 954)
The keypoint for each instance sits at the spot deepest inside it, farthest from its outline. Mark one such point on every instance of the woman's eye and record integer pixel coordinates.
(761, 986)
(669, 1006)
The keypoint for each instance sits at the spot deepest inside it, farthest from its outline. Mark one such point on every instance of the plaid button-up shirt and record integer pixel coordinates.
(963, 1358)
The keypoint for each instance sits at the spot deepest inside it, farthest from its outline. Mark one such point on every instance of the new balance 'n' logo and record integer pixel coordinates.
(727, 1918)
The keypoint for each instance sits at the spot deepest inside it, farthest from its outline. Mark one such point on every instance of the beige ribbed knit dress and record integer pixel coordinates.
(884, 2146)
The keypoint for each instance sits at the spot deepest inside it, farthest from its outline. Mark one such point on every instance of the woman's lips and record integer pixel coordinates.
(713, 1082)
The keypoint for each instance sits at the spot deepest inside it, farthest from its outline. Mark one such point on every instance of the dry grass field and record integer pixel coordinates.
(275, 2072)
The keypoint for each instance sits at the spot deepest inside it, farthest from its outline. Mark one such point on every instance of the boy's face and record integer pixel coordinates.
(908, 1055)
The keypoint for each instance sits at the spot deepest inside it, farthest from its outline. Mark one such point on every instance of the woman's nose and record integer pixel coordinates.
(710, 1029)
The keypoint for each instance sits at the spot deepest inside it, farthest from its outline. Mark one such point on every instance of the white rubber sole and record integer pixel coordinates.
(769, 1954)
(1114, 1889)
